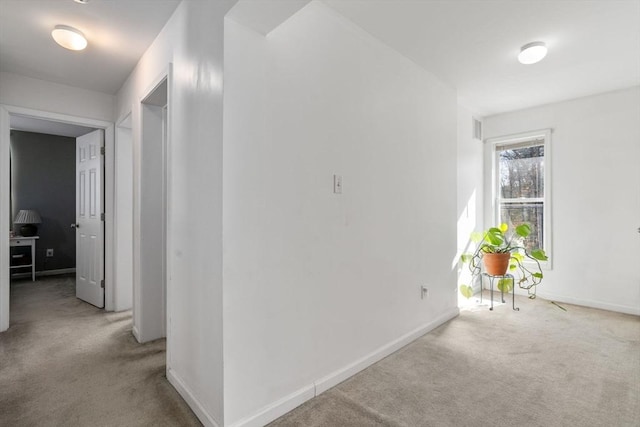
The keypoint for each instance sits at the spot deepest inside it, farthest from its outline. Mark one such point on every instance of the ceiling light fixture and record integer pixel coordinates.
(532, 52)
(81, 1)
(68, 37)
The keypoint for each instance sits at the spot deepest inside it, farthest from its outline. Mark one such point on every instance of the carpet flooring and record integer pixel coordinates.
(540, 366)
(65, 363)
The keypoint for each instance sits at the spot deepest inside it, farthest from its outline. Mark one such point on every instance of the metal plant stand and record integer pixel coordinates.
(513, 292)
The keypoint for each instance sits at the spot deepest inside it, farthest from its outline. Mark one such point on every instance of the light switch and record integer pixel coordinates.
(337, 184)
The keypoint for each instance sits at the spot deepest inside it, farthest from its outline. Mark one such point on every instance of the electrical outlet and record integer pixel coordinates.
(424, 292)
(49, 252)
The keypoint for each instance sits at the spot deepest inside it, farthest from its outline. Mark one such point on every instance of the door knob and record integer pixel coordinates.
(75, 225)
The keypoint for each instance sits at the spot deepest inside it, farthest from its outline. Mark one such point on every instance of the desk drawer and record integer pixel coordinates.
(21, 242)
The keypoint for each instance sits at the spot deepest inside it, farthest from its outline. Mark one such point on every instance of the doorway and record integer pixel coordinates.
(7, 113)
(43, 185)
(151, 216)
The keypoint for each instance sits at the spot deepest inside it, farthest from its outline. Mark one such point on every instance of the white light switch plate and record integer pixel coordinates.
(337, 184)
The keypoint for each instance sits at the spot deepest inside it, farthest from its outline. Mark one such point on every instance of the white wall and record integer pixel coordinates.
(192, 40)
(470, 190)
(41, 95)
(595, 147)
(319, 285)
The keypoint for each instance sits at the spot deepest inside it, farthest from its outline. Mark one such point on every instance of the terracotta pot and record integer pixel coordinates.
(496, 264)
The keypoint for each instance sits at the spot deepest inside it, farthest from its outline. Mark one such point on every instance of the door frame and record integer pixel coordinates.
(123, 214)
(109, 166)
(151, 307)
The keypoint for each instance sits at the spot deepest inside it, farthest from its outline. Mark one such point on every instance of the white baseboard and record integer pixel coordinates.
(136, 334)
(45, 272)
(277, 408)
(287, 403)
(205, 418)
(618, 308)
(56, 272)
(626, 309)
(336, 377)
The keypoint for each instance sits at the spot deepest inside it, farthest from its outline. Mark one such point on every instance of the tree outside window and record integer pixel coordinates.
(520, 174)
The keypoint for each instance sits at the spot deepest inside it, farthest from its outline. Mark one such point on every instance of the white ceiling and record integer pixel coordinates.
(118, 31)
(594, 46)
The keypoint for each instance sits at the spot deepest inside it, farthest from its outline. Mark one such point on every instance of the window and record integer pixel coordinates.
(521, 185)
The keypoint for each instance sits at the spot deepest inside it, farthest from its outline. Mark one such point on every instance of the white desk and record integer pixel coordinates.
(26, 241)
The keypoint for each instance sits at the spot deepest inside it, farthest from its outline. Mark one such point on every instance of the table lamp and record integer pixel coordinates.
(28, 218)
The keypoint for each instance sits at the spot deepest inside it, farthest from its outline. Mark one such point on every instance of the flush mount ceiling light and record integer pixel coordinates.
(532, 52)
(81, 1)
(68, 37)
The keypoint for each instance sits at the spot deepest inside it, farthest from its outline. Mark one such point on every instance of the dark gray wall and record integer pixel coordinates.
(43, 178)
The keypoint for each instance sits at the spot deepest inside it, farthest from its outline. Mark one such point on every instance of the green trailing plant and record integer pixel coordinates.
(524, 263)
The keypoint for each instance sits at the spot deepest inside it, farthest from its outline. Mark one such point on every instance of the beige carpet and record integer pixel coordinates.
(541, 366)
(66, 363)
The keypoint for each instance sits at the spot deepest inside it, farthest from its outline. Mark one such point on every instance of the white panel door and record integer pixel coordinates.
(89, 225)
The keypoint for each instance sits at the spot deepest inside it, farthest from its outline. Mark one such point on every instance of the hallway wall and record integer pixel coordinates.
(192, 44)
(21, 91)
(319, 285)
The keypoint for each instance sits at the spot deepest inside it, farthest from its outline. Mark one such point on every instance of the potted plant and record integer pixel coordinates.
(502, 250)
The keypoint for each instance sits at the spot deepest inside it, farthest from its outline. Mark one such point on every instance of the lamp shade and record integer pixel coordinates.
(27, 216)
